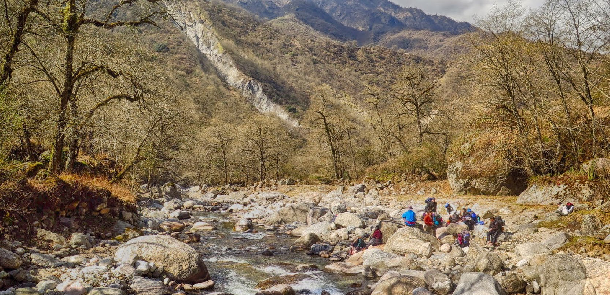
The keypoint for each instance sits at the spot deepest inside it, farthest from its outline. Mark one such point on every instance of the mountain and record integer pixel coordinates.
(365, 21)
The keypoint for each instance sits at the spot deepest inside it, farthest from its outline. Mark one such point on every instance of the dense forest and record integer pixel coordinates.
(115, 90)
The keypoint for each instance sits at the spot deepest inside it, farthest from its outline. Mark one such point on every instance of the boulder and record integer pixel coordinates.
(180, 214)
(597, 276)
(80, 240)
(45, 260)
(344, 268)
(489, 262)
(551, 193)
(399, 285)
(47, 285)
(71, 288)
(321, 229)
(244, 225)
(476, 283)
(503, 181)
(348, 220)
(291, 213)
(556, 274)
(55, 239)
(512, 283)
(438, 281)
(144, 286)
(411, 240)
(377, 258)
(315, 213)
(106, 291)
(172, 226)
(387, 230)
(179, 261)
(202, 226)
(9, 260)
(306, 240)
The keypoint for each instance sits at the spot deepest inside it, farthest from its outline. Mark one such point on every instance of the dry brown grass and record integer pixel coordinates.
(120, 192)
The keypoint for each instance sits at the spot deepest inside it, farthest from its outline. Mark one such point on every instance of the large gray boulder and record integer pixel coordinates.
(320, 229)
(476, 283)
(398, 285)
(551, 194)
(291, 213)
(9, 260)
(502, 181)
(411, 240)
(438, 281)
(314, 214)
(348, 220)
(387, 230)
(144, 286)
(557, 274)
(179, 261)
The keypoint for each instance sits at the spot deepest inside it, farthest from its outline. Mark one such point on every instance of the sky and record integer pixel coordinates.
(461, 10)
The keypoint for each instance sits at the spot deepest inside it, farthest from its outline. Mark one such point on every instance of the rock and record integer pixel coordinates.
(556, 241)
(512, 283)
(387, 230)
(502, 181)
(489, 263)
(204, 285)
(590, 224)
(26, 291)
(172, 226)
(445, 248)
(338, 208)
(597, 276)
(179, 261)
(80, 240)
(9, 260)
(48, 236)
(71, 288)
(244, 225)
(144, 286)
(180, 215)
(398, 285)
(456, 228)
(142, 267)
(188, 205)
(321, 229)
(383, 260)
(290, 214)
(202, 226)
(421, 291)
(45, 260)
(438, 281)
(348, 220)
(531, 249)
(476, 283)
(278, 290)
(315, 213)
(44, 286)
(305, 241)
(411, 240)
(106, 291)
(551, 194)
(344, 268)
(358, 188)
(561, 273)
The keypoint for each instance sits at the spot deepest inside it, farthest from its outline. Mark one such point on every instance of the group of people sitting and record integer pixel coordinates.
(433, 220)
(360, 243)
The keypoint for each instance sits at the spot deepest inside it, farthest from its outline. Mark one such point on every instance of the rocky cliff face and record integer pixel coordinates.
(194, 22)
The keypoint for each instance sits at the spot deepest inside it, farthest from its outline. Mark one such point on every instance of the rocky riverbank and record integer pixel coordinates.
(195, 241)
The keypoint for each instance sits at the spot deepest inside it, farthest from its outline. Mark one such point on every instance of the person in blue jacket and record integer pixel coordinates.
(409, 217)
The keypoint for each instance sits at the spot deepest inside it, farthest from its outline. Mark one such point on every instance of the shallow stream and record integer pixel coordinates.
(237, 264)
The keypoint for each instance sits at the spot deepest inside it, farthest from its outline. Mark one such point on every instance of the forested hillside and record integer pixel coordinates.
(120, 91)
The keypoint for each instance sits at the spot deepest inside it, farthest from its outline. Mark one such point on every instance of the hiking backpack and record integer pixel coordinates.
(463, 239)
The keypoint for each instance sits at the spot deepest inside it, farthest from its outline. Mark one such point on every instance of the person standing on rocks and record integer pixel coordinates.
(431, 205)
(496, 226)
(409, 217)
(448, 208)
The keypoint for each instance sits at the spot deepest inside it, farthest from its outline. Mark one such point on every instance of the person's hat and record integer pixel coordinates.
(468, 210)
(446, 205)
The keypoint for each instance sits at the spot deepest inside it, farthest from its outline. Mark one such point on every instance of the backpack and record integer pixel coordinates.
(500, 221)
(437, 219)
(463, 239)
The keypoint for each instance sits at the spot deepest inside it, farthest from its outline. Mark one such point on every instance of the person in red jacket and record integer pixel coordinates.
(377, 237)
(429, 224)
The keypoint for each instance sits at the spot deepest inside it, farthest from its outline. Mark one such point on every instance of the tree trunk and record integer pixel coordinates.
(70, 29)
(7, 60)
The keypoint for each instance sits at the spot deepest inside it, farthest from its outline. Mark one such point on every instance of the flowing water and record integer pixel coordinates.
(236, 263)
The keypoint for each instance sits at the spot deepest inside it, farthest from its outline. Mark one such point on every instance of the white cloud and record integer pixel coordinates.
(460, 10)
